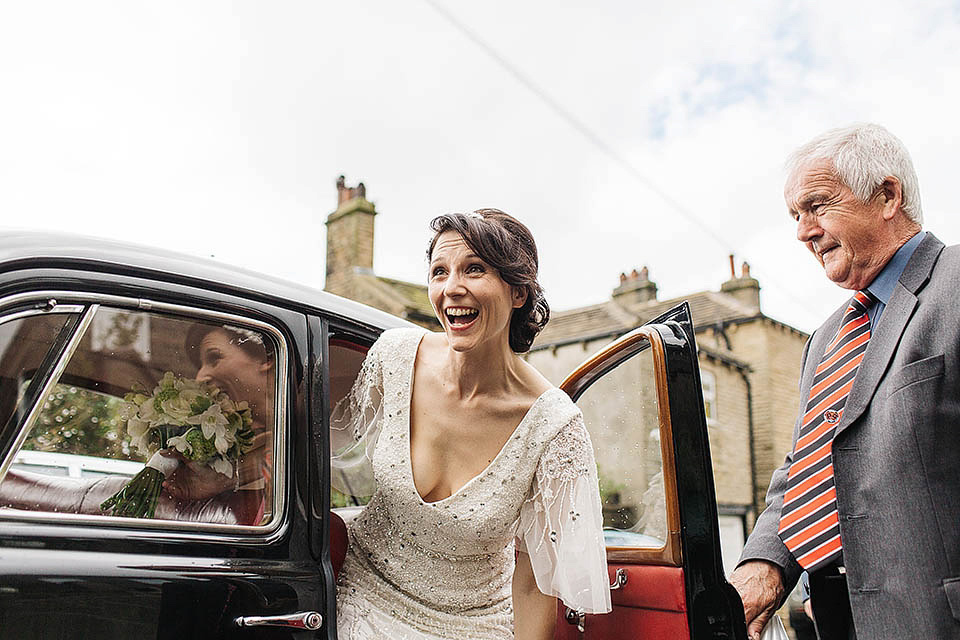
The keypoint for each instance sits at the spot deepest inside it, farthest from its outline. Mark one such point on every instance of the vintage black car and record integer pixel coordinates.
(87, 325)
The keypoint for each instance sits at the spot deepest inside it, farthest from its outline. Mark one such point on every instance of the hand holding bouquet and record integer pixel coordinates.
(195, 419)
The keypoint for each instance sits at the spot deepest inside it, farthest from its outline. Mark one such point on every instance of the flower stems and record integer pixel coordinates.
(138, 498)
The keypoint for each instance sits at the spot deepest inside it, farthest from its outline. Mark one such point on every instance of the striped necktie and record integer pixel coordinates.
(809, 523)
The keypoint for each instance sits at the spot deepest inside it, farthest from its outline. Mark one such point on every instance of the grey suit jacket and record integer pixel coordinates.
(896, 459)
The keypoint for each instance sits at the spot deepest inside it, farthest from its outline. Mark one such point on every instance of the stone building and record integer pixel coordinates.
(350, 262)
(749, 366)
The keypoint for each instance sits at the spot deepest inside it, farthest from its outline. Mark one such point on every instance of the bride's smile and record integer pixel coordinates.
(473, 302)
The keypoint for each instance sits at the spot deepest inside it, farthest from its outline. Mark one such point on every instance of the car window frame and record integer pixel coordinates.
(90, 301)
(51, 306)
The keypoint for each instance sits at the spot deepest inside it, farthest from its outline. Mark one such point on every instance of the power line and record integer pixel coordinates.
(577, 124)
(598, 142)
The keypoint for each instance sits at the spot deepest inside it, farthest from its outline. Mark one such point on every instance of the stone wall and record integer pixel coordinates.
(773, 352)
(349, 245)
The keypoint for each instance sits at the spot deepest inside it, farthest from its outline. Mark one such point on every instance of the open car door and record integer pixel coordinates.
(642, 403)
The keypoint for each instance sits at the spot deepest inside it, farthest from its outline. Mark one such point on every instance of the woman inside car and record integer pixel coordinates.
(240, 362)
(485, 507)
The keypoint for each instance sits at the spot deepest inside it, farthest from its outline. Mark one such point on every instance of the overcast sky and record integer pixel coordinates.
(623, 133)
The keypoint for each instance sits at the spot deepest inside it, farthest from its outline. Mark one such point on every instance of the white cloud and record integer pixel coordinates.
(219, 128)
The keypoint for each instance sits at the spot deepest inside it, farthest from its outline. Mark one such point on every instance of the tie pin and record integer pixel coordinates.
(831, 415)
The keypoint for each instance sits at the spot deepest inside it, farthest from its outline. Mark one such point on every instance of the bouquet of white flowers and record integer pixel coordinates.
(194, 418)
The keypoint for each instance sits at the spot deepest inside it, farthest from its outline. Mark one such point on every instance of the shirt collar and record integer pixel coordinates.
(882, 286)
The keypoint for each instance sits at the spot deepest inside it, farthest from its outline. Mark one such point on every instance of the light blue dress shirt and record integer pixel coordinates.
(882, 286)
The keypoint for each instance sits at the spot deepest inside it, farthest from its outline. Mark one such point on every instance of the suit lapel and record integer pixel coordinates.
(894, 320)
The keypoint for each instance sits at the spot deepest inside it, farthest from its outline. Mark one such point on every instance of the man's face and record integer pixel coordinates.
(845, 235)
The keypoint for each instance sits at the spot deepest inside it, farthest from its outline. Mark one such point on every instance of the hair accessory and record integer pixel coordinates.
(245, 334)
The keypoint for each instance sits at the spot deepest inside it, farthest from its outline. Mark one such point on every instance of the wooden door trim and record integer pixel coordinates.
(591, 370)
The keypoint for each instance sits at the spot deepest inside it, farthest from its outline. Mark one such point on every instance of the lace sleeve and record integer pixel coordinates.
(561, 523)
(355, 426)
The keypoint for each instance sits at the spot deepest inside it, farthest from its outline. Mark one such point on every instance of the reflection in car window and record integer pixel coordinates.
(24, 342)
(155, 416)
(622, 416)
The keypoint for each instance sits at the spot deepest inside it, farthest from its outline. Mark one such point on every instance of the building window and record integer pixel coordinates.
(708, 383)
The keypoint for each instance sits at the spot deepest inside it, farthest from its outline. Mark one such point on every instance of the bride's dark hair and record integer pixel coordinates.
(507, 245)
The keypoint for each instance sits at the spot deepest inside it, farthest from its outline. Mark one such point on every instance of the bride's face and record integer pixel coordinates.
(471, 300)
(233, 370)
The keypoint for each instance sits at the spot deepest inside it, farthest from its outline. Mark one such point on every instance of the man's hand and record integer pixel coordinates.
(195, 481)
(760, 584)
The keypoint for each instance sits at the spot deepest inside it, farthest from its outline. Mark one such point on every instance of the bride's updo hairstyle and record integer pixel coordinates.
(504, 243)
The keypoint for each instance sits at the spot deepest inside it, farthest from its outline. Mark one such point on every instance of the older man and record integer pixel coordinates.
(868, 501)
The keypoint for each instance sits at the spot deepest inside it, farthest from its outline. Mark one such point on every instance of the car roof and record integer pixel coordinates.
(32, 249)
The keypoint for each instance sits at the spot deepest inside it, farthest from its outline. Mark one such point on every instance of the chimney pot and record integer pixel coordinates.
(635, 288)
(745, 289)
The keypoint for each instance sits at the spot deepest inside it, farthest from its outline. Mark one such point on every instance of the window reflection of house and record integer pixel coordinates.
(708, 384)
(749, 367)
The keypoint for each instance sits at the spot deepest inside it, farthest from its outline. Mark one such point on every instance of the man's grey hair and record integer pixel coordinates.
(863, 156)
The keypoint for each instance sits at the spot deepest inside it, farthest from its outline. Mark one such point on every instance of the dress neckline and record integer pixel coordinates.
(408, 400)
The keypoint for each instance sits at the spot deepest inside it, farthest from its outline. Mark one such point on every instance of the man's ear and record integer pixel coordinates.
(265, 365)
(890, 197)
(519, 295)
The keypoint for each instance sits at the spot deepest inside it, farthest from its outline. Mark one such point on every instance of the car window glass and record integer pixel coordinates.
(24, 342)
(622, 415)
(346, 357)
(155, 416)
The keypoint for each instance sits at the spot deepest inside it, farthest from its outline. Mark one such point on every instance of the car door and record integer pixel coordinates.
(237, 564)
(642, 403)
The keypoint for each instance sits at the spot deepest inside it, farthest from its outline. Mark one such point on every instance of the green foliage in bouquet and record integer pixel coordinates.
(196, 419)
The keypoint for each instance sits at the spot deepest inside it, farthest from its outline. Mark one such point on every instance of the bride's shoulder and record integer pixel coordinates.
(392, 338)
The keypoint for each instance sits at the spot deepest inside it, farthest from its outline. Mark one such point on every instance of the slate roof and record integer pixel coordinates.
(611, 318)
(400, 298)
(414, 295)
(606, 319)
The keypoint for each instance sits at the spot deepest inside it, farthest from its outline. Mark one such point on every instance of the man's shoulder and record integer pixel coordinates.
(951, 253)
(947, 266)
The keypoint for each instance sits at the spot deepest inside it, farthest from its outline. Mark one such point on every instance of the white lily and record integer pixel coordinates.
(180, 444)
(220, 465)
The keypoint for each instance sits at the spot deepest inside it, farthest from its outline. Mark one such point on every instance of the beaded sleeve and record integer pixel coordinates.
(355, 427)
(561, 523)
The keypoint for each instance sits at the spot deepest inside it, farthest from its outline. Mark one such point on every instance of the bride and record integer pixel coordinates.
(485, 504)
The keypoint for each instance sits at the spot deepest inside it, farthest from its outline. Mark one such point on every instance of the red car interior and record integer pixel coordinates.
(652, 604)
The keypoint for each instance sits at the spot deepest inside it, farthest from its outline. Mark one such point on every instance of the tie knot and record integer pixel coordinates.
(862, 300)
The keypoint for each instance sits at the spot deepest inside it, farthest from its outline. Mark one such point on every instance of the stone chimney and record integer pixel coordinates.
(635, 288)
(349, 237)
(745, 289)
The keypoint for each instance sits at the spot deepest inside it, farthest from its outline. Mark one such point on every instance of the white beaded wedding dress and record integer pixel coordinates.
(416, 570)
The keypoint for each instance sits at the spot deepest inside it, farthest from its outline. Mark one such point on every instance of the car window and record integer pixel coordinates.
(346, 353)
(155, 416)
(24, 342)
(622, 415)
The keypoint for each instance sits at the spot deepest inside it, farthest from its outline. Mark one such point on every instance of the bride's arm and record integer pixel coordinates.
(534, 614)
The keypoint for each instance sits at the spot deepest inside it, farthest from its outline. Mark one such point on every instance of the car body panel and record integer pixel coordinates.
(65, 576)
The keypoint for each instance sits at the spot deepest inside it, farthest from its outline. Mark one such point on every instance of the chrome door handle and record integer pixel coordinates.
(619, 580)
(309, 620)
(576, 618)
